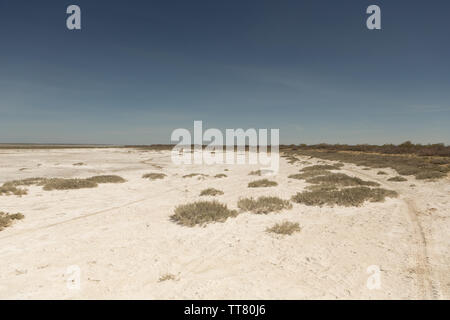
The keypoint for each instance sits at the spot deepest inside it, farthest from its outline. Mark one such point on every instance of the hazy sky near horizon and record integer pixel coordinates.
(140, 69)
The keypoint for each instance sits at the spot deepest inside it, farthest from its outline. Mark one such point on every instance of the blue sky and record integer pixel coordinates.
(140, 69)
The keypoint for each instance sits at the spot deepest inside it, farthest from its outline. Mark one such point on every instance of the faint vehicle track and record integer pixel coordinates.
(423, 269)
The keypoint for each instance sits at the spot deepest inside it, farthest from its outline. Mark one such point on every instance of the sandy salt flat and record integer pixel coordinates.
(121, 238)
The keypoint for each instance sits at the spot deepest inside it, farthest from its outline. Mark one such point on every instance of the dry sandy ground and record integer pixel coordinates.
(121, 237)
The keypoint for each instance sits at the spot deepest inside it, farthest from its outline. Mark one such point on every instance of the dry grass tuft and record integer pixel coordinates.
(202, 212)
(348, 197)
(263, 205)
(397, 179)
(79, 164)
(211, 192)
(255, 173)
(381, 173)
(285, 228)
(10, 189)
(262, 183)
(6, 219)
(220, 175)
(154, 176)
(167, 277)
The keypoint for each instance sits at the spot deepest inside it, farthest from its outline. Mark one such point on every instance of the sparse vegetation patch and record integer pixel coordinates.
(49, 184)
(309, 174)
(316, 167)
(67, 184)
(263, 205)
(154, 176)
(422, 167)
(6, 219)
(106, 179)
(341, 179)
(255, 173)
(347, 197)
(397, 179)
(262, 183)
(211, 192)
(428, 174)
(285, 228)
(167, 277)
(10, 189)
(202, 212)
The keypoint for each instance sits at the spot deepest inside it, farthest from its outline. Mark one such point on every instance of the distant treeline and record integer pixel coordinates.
(437, 149)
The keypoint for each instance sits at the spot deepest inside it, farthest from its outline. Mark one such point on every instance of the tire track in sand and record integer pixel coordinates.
(428, 289)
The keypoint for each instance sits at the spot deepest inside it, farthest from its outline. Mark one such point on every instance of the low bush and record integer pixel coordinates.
(6, 219)
(211, 192)
(154, 176)
(202, 212)
(354, 196)
(263, 205)
(397, 179)
(285, 228)
(67, 184)
(262, 184)
(106, 179)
